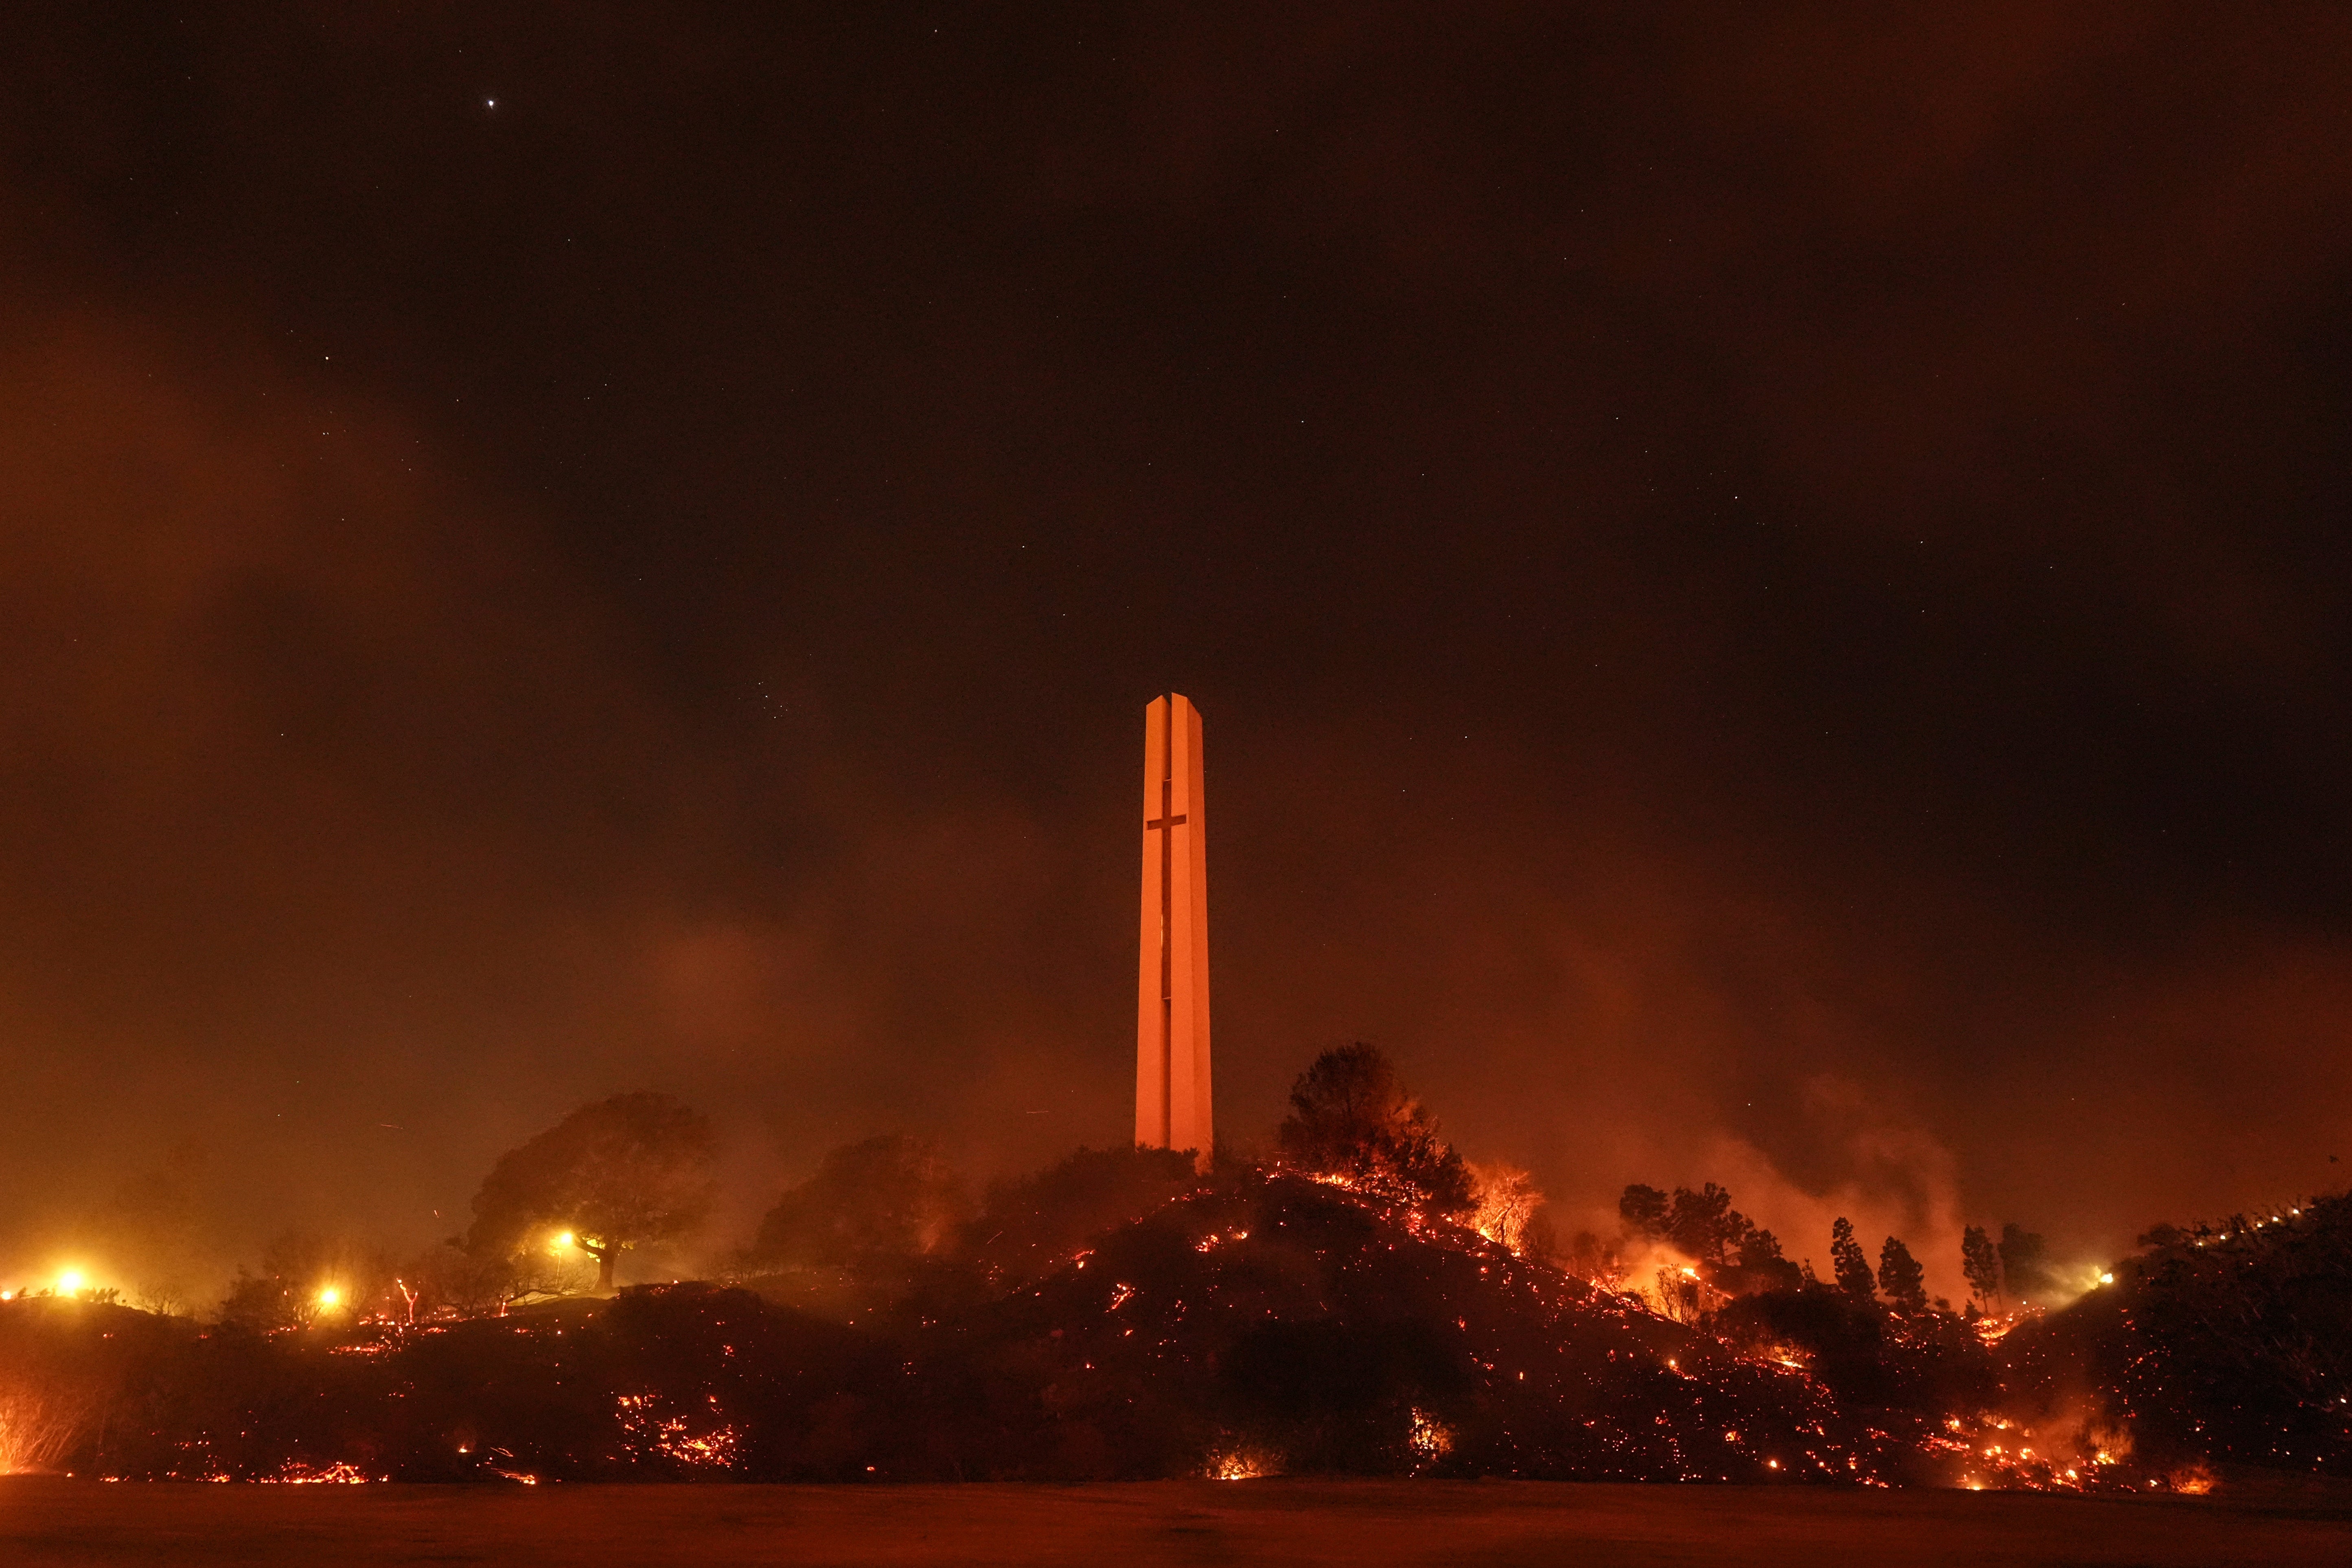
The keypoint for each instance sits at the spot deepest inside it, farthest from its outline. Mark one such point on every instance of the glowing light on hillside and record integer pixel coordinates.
(70, 1282)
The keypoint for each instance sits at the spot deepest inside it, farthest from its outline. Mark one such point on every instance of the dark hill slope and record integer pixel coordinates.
(2228, 1342)
(1278, 1323)
(1255, 1324)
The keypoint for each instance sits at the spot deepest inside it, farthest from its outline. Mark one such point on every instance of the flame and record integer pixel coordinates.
(1508, 1200)
(1993, 1328)
(2070, 1449)
(1429, 1439)
(1239, 1461)
(39, 1427)
(2195, 1480)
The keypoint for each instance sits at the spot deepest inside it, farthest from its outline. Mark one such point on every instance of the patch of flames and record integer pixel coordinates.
(1236, 1461)
(674, 1437)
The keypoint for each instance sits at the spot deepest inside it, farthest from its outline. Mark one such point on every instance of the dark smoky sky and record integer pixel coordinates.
(1770, 591)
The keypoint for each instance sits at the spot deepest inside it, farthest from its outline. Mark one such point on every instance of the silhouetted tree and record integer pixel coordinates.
(1980, 1261)
(1589, 1256)
(1901, 1278)
(886, 1200)
(147, 1227)
(1704, 1225)
(616, 1174)
(449, 1281)
(1849, 1263)
(2025, 1262)
(1734, 1255)
(1352, 1119)
(1645, 1210)
(262, 1302)
(1761, 1265)
(291, 1288)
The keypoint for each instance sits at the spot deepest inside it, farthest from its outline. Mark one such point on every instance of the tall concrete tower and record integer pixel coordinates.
(1172, 1017)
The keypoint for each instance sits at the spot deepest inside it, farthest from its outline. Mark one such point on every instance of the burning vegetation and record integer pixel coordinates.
(1369, 1303)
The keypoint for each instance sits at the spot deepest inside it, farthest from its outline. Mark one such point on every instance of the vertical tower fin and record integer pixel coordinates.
(1173, 1091)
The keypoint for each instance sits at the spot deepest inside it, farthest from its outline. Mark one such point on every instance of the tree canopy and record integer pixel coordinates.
(1901, 1277)
(618, 1173)
(1850, 1263)
(1980, 1261)
(1732, 1252)
(883, 1201)
(1352, 1119)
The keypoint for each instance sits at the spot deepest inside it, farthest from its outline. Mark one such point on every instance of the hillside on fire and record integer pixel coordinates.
(1364, 1302)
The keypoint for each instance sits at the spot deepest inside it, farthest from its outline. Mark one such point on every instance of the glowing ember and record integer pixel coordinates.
(703, 1440)
(1993, 1328)
(1429, 1439)
(338, 1475)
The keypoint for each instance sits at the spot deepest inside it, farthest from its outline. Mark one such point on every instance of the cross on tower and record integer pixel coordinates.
(1169, 817)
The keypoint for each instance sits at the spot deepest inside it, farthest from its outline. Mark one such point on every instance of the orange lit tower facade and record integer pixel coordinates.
(1172, 1015)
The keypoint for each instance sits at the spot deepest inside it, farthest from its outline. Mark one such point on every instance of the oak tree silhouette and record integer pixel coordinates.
(618, 1173)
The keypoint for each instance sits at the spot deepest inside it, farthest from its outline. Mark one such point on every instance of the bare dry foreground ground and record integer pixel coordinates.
(1462, 1524)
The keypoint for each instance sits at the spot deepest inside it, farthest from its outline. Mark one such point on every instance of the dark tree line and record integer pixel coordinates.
(1735, 1257)
(1732, 1253)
